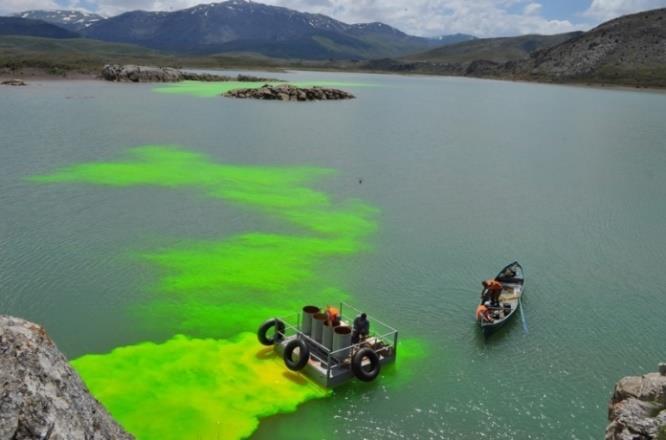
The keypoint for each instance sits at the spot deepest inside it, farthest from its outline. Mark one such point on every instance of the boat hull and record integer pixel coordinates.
(509, 299)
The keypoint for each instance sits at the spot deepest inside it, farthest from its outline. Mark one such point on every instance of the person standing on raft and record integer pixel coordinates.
(361, 328)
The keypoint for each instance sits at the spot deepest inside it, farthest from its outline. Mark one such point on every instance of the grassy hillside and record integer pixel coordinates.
(498, 50)
(62, 56)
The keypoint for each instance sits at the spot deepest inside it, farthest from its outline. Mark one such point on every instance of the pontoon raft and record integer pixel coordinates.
(325, 353)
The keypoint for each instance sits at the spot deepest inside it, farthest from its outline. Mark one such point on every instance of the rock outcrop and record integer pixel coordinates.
(41, 396)
(629, 46)
(629, 50)
(132, 73)
(13, 82)
(637, 410)
(286, 92)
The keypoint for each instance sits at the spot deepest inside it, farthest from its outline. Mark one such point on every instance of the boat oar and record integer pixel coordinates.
(522, 315)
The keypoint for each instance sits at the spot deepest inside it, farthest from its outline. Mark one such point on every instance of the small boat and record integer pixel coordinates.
(513, 284)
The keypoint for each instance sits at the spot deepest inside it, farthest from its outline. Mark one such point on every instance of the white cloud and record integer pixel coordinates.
(607, 9)
(437, 17)
(532, 9)
(115, 7)
(12, 6)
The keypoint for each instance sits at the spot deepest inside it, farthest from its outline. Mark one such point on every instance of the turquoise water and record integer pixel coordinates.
(467, 176)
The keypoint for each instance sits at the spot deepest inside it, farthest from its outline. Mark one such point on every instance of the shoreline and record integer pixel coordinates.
(36, 74)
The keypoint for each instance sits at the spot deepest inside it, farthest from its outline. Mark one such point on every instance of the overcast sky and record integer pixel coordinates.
(484, 18)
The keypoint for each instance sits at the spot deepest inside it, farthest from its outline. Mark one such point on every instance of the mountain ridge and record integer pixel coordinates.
(72, 20)
(242, 26)
(500, 49)
(35, 28)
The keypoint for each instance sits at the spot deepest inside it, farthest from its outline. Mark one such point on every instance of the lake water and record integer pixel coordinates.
(466, 176)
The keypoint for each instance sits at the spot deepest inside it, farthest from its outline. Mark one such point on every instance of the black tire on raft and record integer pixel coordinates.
(262, 333)
(361, 373)
(303, 358)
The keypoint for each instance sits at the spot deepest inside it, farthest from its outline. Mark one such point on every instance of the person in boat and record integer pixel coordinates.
(492, 291)
(361, 328)
(332, 316)
(483, 313)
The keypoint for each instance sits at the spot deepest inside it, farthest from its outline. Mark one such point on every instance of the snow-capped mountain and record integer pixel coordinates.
(242, 26)
(75, 21)
(247, 27)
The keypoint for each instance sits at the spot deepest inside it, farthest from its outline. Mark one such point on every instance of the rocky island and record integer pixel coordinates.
(286, 92)
(132, 73)
(13, 82)
(637, 409)
(42, 396)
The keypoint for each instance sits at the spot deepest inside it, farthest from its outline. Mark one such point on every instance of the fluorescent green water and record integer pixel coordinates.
(219, 388)
(194, 388)
(458, 177)
(226, 285)
(211, 89)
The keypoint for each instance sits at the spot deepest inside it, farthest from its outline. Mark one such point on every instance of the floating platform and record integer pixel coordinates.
(331, 367)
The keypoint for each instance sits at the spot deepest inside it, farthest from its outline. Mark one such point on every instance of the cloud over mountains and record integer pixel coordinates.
(483, 18)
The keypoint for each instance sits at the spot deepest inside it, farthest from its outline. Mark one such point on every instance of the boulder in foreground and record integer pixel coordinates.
(42, 397)
(286, 92)
(637, 410)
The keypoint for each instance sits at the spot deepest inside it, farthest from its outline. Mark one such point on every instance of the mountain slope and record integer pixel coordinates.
(498, 50)
(35, 28)
(446, 40)
(632, 47)
(74, 21)
(246, 27)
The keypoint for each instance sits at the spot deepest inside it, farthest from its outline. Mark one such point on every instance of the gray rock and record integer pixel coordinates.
(286, 92)
(637, 410)
(13, 82)
(662, 368)
(42, 397)
(132, 73)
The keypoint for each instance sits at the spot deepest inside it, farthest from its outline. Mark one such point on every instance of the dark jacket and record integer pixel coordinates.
(362, 326)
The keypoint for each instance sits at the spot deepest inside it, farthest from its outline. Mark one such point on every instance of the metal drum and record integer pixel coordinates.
(306, 321)
(342, 340)
(317, 326)
(327, 336)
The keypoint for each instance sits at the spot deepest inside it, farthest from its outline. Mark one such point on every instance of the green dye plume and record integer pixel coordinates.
(280, 191)
(218, 288)
(210, 89)
(194, 388)
(210, 388)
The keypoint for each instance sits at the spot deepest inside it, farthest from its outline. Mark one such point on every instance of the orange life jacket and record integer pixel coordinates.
(492, 285)
(481, 311)
(332, 316)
